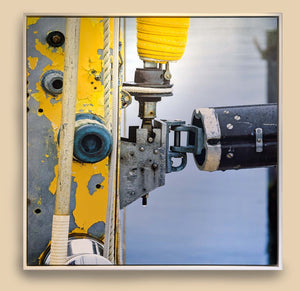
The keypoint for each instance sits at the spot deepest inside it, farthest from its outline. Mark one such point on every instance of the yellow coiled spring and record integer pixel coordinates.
(161, 40)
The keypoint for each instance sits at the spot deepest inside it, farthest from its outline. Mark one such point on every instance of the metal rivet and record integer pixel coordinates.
(229, 126)
(132, 172)
(226, 111)
(132, 193)
(142, 149)
(237, 117)
(154, 166)
(155, 151)
(229, 155)
(150, 139)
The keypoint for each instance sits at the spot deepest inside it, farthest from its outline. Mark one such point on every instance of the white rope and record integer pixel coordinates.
(60, 225)
(146, 90)
(107, 73)
(109, 244)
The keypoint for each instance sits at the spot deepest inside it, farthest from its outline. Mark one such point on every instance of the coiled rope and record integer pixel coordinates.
(110, 227)
(107, 73)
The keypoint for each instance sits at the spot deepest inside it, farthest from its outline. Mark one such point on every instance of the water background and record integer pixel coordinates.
(200, 217)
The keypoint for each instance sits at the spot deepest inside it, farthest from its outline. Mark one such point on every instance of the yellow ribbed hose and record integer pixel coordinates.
(161, 40)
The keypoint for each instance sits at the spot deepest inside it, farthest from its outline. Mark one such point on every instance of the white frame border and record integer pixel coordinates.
(278, 267)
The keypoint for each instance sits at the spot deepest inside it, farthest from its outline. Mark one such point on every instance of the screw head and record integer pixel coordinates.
(155, 151)
(229, 126)
(229, 155)
(237, 117)
(142, 149)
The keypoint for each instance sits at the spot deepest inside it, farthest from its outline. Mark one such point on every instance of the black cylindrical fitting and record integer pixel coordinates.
(237, 137)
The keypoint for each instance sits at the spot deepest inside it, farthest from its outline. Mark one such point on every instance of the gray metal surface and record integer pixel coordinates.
(142, 165)
(41, 142)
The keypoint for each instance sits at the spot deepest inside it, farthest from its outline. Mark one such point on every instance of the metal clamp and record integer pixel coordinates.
(194, 143)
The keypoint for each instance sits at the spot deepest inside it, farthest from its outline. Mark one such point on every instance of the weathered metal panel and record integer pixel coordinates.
(89, 180)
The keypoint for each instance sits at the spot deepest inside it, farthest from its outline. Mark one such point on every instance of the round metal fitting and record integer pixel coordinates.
(229, 126)
(150, 139)
(55, 38)
(92, 141)
(126, 99)
(154, 166)
(82, 250)
(52, 82)
(229, 155)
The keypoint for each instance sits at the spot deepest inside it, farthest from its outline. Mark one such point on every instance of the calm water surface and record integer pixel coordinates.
(200, 217)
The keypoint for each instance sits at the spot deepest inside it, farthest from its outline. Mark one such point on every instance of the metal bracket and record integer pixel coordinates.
(142, 164)
(259, 139)
(194, 142)
(145, 159)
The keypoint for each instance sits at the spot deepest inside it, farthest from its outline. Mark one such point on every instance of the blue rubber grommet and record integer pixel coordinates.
(92, 141)
(52, 82)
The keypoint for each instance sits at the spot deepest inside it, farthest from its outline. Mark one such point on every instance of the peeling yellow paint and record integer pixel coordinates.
(89, 209)
(32, 62)
(32, 20)
(52, 187)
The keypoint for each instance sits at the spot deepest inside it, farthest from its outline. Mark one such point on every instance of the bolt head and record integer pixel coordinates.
(56, 38)
(150, 139)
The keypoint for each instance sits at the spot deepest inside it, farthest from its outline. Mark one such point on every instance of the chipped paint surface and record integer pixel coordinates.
(88, 212)
(32, 62)
(32, 20)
